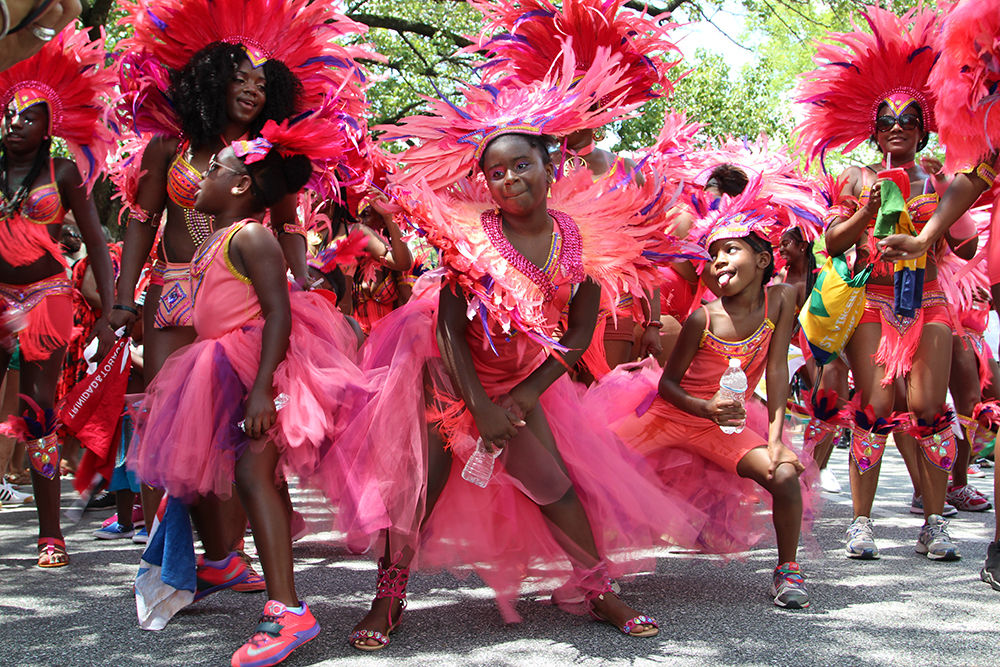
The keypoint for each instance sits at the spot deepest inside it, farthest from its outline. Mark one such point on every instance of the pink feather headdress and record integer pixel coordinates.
(454, 137)
(750, 212)
(69, 76)
(797, 196)
(860, 71)
(296, 32)
(328, 137)
(967, 79)
(536, 34)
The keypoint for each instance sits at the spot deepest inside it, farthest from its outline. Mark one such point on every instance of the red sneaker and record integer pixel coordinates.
(213, 578)
(279, 632)
(254, 583)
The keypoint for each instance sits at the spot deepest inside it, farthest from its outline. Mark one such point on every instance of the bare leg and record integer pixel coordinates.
(207, 518)
(965, 393)
(270, 521)
(7, 408)
(909, 450)
(867, 379)
(927, 390)
(124, 499)
(617, 352)
(787, 495)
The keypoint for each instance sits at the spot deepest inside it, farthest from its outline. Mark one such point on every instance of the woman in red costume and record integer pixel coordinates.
(874, 85)
(198, 75)
(966, 79)
(491, 371)
(54, 93)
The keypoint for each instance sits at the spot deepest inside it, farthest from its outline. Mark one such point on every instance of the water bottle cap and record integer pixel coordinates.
(734, 362)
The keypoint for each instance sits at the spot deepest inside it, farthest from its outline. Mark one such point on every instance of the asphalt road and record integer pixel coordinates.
(901, 610)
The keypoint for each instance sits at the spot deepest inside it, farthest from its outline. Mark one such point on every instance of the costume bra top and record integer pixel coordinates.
(43, 205)
(182, 179)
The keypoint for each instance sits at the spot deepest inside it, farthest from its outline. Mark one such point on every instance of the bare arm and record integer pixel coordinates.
(75, 193)
(496, 425)
(140, 234)
(841, 234)
(293, 246)
(255, 253)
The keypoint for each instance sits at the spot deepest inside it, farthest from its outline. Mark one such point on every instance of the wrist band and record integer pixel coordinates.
(657, 324)
(143, 217)
(128, 309)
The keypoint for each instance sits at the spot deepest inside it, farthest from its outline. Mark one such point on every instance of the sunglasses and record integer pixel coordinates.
(214, 165)
(906, 121)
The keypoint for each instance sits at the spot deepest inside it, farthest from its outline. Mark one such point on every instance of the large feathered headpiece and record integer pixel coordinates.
(967, 78)
(299, 33)
(69, 76)
(859, 71)
(527, 38)
(797, 196)
(750, 212)
(453, 138)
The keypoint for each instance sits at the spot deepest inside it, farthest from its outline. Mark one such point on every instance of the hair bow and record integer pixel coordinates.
(252, 151)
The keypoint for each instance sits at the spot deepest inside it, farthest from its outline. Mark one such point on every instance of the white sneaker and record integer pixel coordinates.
(9, 494)
(934, 541)
(828, 481)
(860, 541)
(917, 507)
(975, 471)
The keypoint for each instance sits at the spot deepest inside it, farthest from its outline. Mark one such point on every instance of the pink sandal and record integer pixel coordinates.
(607, 586)
(392, 582)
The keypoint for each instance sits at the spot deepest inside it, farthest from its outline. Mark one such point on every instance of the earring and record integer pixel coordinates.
(235, 191)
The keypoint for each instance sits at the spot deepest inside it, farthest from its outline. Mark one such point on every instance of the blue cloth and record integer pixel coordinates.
(167, 575)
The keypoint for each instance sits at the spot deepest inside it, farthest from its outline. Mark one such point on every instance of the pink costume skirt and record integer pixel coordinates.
(499, 531)
(901, 335)
(175, 308)
(187, 440)
(41, 314)
(695, 460)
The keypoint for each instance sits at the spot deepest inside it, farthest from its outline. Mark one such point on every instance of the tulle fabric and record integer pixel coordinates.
(498, 531)
(187, 439)
(736, 509)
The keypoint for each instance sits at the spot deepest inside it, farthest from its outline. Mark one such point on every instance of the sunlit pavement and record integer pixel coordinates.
(901, 610)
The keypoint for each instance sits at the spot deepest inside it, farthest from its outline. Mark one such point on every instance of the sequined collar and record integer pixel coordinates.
(570, 257)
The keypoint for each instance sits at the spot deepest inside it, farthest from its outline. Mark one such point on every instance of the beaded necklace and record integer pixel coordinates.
(571, 255)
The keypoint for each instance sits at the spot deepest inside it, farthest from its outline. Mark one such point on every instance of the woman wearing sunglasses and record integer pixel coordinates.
(905, 332)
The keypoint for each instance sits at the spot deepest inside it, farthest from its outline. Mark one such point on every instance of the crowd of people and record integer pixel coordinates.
(490, 344)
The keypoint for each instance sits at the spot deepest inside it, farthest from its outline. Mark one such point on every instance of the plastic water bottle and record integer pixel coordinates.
(733, 386)
(479, 468)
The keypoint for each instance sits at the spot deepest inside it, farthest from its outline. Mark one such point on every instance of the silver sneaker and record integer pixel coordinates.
(917, 507)
(991, 570)
(8, 494)
(861, 540)
(934, 541)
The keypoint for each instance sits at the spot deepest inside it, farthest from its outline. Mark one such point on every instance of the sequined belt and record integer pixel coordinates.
(27, 297)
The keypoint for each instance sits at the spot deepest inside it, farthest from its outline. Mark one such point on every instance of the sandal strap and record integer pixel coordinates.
(358, 635)
(604, 584)
(392, 582)
(635, 622)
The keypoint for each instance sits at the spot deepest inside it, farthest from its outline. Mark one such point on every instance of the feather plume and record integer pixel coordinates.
(736, 217)
(921, 429)
(69, 74)
(864, 417)
(857, 70)
(345, 252)
(525, 39)
(967, 78)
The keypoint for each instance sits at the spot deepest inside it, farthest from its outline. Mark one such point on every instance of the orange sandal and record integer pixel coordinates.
(52, 552)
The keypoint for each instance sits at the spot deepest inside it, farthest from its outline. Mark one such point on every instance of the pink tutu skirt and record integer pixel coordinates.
(187, 438)
(736, 509)
(499, 532)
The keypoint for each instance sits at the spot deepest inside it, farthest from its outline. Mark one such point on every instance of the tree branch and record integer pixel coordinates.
(402, 26)
(654, 11)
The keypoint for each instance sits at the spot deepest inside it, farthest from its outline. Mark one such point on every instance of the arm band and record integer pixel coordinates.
(144, 217)
(293, 228)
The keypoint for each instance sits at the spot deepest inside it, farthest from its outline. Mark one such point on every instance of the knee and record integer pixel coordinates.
(785, 485)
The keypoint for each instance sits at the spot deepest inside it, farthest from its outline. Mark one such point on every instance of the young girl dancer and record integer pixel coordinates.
(54, 93)
(257, 342)
(751, 323)
(477, 360)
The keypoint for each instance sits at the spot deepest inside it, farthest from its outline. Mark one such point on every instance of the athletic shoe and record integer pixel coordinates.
(861, 539)
(138, 520)
(975, 471)
(984, 462)
(279, 632)
(844, 441)
(212, 578)
(828, 481)
(141, 536)
(100, 501)
(788, 588)
(991, 570)
(254, 583)
(968, 499)
(917, 507)
(11, 496)
(934, 541)
(114, 532)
